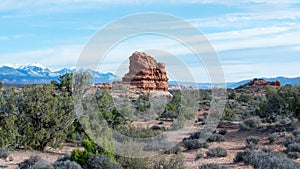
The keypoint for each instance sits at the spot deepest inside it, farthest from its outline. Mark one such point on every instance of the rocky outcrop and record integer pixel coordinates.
(262, 82)
(145, 73)
(259, 83)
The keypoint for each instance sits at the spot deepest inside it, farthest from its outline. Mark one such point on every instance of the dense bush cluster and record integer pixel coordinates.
(293, 150)
(263, 160)
(282, 102)
(195, 144)
(216, 138)
(37, 116)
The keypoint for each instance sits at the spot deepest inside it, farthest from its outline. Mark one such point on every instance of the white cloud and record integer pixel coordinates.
(4, 37)
(255, 38)
(55, 57)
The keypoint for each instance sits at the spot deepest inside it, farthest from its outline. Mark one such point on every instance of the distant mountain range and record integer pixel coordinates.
(283, 81)
(39, 74)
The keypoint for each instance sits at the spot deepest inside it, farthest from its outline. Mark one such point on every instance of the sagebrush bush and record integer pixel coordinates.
(195, 144)
(251, 142)
(252, 139)
(100, 162)
(267, 149)
(243, 155)
(262, 160)
(252, 122)
(217, 152)
(296, 132)
(294, 147)
(35, 162)
(64, 162)
(216, 138)
(174, 162)
(272, 137)
(42, 164)
(293, 155)
(199, 155)
(211, 166)
(3, 153)
(195, 135)
(223, 131)
(271, 161)
(173, 150)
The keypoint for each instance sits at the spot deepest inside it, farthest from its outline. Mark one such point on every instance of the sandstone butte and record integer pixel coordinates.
(145, 73)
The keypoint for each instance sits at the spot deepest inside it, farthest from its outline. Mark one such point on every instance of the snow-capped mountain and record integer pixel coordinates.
(37, 73)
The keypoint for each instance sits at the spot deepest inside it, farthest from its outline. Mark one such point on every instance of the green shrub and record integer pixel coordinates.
(230, 111)
(80, 156)
(211, 166)
(217, 152)
(216, 138)
(195, 144)
(246, 98)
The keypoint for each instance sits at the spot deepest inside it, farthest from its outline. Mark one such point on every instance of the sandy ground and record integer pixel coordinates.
(50, 155)
(235, 142)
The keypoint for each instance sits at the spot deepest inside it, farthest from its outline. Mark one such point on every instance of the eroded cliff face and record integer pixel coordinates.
(146, 73)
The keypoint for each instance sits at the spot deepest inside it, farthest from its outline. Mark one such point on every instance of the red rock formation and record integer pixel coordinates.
(145, 73)
(260, 83)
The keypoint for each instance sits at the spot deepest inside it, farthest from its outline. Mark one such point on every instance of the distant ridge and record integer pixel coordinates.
(232, 85)
(37, 73)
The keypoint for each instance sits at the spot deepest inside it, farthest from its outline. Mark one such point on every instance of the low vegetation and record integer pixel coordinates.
(41, 116)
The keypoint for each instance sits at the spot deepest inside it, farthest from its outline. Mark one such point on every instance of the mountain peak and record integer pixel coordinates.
(36, 64)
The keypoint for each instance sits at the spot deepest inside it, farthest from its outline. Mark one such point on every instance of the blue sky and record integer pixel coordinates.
(253, 38)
